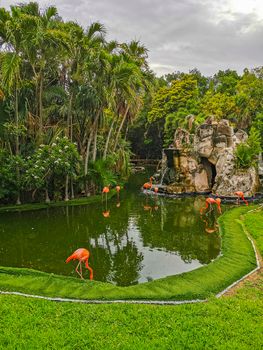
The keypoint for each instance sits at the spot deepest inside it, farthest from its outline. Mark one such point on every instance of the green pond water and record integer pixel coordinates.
(144, 238)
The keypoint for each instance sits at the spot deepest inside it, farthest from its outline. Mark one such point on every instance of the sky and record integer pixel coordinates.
(180, 34)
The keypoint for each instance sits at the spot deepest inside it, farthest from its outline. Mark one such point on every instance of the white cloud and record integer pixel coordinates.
(180, 34)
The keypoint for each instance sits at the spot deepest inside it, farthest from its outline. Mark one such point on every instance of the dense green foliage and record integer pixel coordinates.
(226, 323)
(236, 260)
(179, 96)
(247, 153)
(67, 98)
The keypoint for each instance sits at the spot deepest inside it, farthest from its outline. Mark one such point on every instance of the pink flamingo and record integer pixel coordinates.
(82, 255)
(239, 195)
(148, 185)
(209, 202)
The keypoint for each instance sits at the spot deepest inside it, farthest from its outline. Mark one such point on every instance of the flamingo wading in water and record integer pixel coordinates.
(82, 255)
(209, 202)
(239, 195)
(148, 185)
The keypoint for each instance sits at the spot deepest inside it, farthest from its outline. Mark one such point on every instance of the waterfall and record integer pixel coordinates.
(163, 174)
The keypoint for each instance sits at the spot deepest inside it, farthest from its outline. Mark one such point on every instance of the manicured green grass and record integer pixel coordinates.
(225, 323)
(254, 224)
(72, 202)
(237, 259)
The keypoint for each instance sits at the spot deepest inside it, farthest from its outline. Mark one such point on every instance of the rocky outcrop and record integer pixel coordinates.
(205, 161)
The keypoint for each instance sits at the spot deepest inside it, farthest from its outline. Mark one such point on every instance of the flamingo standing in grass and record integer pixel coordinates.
(209, 202)
(239, 195)
(82, 255)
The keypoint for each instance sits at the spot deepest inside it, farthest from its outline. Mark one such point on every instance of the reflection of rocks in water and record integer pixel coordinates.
(183, 233)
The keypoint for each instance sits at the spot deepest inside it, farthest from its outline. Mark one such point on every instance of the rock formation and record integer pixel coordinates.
(205, 161)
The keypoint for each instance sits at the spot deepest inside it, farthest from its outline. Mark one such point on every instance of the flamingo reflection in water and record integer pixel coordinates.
(118, 188)
(106, 212)
(210, 227)
(82, 255)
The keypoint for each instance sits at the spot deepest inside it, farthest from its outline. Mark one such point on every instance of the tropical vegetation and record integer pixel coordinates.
(74, 107)
(67, 98)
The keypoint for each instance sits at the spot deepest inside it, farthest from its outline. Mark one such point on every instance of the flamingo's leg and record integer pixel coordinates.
(90, 270)
(81, 271)
(78, 270)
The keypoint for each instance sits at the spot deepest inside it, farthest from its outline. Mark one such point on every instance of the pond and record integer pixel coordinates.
(144, 238)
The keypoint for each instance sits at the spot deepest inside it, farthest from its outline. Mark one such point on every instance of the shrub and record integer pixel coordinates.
(246, 153)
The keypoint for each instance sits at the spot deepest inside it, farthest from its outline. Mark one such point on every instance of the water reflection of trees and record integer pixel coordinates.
(43, 239)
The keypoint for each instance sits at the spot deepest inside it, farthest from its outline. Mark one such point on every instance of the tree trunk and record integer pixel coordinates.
(72, 189)
(108, 141)
(87, 153)
(18, 201)
(40, 107)
(66, 189)
(120, 127)
(47, 196)
(95, 143)
(89, 142)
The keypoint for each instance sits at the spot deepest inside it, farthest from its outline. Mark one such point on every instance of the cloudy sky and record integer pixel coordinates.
(180, 34)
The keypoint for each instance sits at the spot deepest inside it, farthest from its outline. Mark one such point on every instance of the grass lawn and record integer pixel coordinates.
(227, 323)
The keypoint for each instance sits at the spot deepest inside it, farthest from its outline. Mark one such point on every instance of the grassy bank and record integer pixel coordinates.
(254, 224)
(227, 323)
(236, 260)
(72, 202)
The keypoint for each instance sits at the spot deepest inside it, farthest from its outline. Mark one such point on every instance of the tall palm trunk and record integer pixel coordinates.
(108, 140)
(86, 163)
(95, 143)
(40, 101)
(70, 135)
(66, 188)
(18, 201)
(120, 127)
